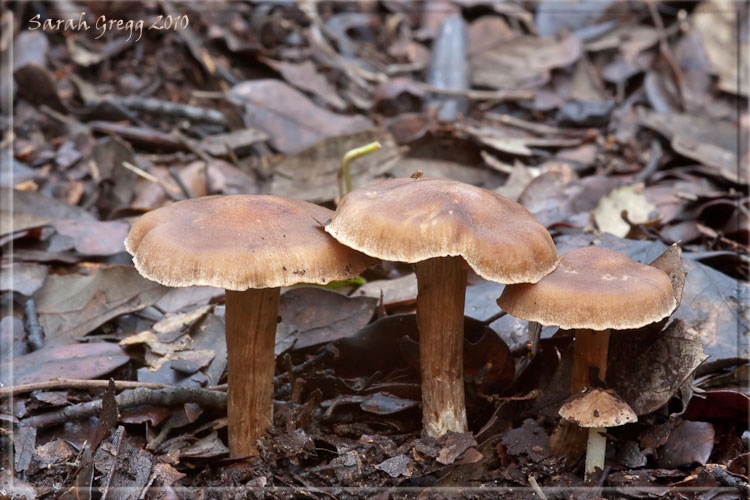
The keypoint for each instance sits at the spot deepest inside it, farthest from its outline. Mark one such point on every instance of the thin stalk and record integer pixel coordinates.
(595, 450)
(344, 175)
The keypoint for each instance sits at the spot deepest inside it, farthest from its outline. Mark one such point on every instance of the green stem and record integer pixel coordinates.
(348, 157)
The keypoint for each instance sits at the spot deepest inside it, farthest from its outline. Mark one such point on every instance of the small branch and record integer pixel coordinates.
(185, 190)
(169, 188)
(664, 43)
(537, 490)
(355, 73)
(653, 162)
(725, 478)
(72, 383)
(142, 135)
(168, 108)
(481, 95)
(130, 399)
(526, 397)
(35, 335)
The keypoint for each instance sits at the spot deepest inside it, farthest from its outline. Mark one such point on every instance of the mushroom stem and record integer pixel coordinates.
(591, 348)
(441, 291)
(595, 450)
(251, 332)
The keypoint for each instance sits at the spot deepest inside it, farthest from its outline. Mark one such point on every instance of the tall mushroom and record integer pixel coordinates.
(249, 245)
(593, 290)
(442, 225)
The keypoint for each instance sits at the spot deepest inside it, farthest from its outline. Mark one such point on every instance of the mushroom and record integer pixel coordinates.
(593, 290)
(597, 409)
(249, 245)
(442, 225)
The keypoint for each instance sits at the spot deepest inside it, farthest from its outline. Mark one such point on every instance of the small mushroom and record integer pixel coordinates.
(597, 409)
(249, 245)
(442, 225)
(593, 290)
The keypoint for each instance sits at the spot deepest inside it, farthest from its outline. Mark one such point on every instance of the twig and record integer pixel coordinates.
(168, 108)
(35, 336)
(727, 479)
(185, 190)
(130, 399)
(493, 318)
(115, 458)
(198, 50)
(72, 383)
(354, 72)
(526, 397)
(170, 188)
(142, 135)
(192, 146)
(536, 128)
(481, 95)
(166, 427)
(664, 44)
(537, 490)
(653, 162)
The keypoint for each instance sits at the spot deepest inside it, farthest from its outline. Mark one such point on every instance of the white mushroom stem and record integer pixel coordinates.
(251, 332)
(595, 450)
(441, 293)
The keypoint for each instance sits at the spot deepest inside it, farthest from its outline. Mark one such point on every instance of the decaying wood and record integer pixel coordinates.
(130, 399)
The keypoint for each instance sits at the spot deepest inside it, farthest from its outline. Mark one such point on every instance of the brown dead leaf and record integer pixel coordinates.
(312, 174)
(318, 315)
(689, 443)
(530, 439)
(454, 444)
(73, 305)
(179, 299)
(291, 120)
(431, 167)
(206, 447)
(81, 361)
(648, 380)
(395, 292)
(34, 80)
(400, 465)
(552, 17)
(100, 238)
(44, 207)
(22, 277)
(522, 62)
(305, 76)
(237, 141)
(671, 263)
(716, 23)
(707, 140)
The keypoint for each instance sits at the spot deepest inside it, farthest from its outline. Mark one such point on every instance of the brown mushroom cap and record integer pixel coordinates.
(239, 242)
(411, 220)
(593, 288)
(597, 408)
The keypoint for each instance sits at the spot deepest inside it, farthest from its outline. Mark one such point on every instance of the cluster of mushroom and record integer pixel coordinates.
(252, 245)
